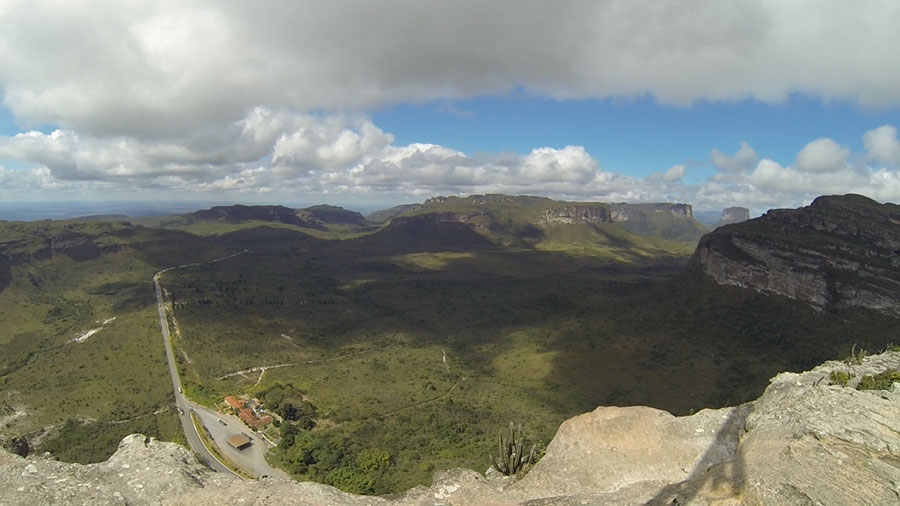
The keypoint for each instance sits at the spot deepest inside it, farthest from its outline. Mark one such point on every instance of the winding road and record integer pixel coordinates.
(251, 460)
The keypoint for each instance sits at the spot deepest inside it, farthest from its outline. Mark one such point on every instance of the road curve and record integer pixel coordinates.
(184, 410)
(251, 460)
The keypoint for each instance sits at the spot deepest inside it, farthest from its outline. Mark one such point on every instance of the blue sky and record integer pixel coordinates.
(635, 136)
(753, 102)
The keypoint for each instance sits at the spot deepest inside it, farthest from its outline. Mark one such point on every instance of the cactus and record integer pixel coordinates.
(512, 457)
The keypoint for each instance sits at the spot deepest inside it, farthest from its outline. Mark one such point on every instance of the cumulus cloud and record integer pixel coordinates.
(745, 158)
(228, 97)
(882, 145)
(822, 155)
(821, 167)
(670, 175)
(167, 68)
(269, 151)
(284, 153)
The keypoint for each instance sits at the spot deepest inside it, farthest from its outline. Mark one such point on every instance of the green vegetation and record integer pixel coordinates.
(880, 381)
(337, 461)
(420, 349)
(840, 378)
(82, 362)
(511, 454)
(290, 404)
(856, 356)
(89, 441)
(388, 354)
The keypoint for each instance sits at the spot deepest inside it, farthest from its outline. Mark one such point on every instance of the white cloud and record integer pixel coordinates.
(279, 155)
(744, 159)
(821, 167)
(212, 96)
(822, 155)
(671, 175)
(168, 68)
(571, 164)
(674, 173)
(882, 145)
(331, 144)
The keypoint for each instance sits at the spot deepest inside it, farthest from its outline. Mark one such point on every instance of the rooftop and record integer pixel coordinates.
(238, 441)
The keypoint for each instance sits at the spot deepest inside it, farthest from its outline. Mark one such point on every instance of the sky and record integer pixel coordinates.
(754, 103)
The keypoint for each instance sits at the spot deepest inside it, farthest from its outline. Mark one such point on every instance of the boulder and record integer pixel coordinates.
(804, 441)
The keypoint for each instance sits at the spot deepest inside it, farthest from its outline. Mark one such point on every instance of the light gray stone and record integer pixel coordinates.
(804, 441)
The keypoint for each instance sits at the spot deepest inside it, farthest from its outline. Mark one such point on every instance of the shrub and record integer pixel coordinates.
(880, 381)
(840, 378)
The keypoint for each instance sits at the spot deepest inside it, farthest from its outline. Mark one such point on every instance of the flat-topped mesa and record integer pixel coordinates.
(501, 213)
(839, 252)
(309, 217)
(621, 212)
(488, 199)
(239, 213)
(576, 214)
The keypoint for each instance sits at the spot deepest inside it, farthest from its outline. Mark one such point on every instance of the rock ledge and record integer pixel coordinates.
(804, 441)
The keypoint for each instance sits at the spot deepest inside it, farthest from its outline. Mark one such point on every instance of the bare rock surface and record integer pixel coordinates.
(839, 252)
(805, 441)
(733, 215)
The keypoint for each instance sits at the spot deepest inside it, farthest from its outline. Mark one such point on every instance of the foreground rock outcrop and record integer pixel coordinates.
(839, 252)
(805, 441)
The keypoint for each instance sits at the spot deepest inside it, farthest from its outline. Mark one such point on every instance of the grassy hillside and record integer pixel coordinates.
(505, 220)
(422, 353)
(406, 347)
(82, 362)
(324, 222)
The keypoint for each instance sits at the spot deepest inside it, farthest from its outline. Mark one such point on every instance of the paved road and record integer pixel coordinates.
(190, 431)
(251, 459)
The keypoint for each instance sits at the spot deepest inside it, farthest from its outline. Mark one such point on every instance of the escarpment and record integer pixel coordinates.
(837, 253)
(576, 214)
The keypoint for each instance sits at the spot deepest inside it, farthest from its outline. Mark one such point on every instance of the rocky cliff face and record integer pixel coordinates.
(332, 214)
(309, 217)
(839, 252)
(30, 241)
(628, 212)
(239, 213)
(733, 215)
(576, 214)
(805, 441)
(504, 213)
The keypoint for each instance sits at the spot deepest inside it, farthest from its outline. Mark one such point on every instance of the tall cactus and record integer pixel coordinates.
(512, 457)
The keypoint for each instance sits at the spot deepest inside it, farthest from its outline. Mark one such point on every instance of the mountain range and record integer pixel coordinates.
(473, 310)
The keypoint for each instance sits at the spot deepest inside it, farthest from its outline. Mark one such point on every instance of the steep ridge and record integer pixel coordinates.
(332, 214)
(806, 440)
(674, 222)
(839, 252)
(315, 217)
(517, 216)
